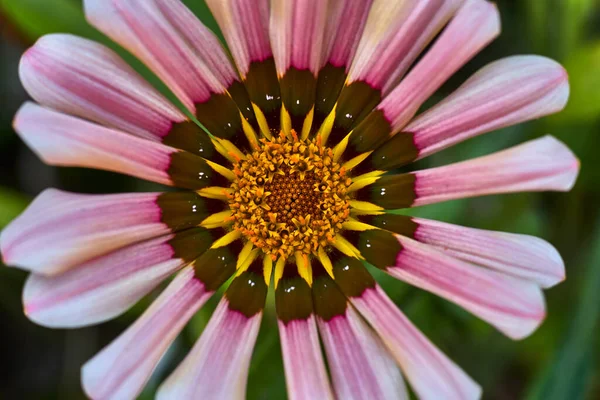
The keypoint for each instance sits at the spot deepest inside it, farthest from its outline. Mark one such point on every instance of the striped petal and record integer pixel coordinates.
(344, 28)
(245, 25)
(107, 286)
(170, 40)
(299, 338)
(297, 29)
(475, 25)
(300, 348)
(86, 79)
(513, 306)
(503, 93)
(63, 140)
(360, 365)
(297, 34)
(60, 230)
(395, 34)
(521, 256)
(431, 374)
(537, 165)
(121, 369)
(217, 366)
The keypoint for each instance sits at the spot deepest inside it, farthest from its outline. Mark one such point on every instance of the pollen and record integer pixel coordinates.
(289, 196)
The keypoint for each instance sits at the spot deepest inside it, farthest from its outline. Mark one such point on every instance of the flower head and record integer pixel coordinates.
(288, 192)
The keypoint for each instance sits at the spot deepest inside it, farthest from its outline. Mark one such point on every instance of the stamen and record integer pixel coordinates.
(289, 196)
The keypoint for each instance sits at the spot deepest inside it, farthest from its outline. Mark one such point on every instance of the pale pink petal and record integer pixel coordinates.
(170, 40)
(62, 140)
(503, 93)
(430, 373)
(121, 369)
(305, 374)
(522, 256)
(537, 165)
(60, 230)
(345, 23)
(297, 30)
(86, 79)
(474, 26)
(217, 366)
(395, 33)
(514, 306)
(245, 25)
(107, 286)
(361, 366)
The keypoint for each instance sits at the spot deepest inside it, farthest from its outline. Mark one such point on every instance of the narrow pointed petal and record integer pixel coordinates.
(245, 25)
(431, 374)
(60, 230)
(537, 165)
(107, 286)
(122, 368)
(299, 339)
(521, 256)
(86, 79)
(504, 93)
(360, 365)
(474, 26)
(217, 366)
(63, 140)
(170, 40)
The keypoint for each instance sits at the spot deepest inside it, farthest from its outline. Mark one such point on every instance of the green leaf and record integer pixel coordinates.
(584, 102)
(34, 18)
(570, 374)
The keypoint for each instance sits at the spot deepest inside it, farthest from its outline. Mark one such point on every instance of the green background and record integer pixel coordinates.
(560, 361)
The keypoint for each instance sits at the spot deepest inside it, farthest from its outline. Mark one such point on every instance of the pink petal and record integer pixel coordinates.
(121, 369)
(344, 28)
(217, 366)
(361, 366)
(297, 30)
(537, 165)
(305, 373)
(503, 93)
(60, 230)
(62, 140)
(522, 256)
(514, 306)
(245, 25)
(83, 78)
(431, 374)
(170, 40)
(107, 286)
(474, 26)
(395, 34)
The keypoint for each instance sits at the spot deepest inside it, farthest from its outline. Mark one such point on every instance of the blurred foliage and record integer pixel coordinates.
(559, 362)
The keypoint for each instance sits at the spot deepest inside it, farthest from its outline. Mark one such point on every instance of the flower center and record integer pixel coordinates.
(289, 196)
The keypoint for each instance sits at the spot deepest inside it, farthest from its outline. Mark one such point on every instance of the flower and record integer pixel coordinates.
(289, 191)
